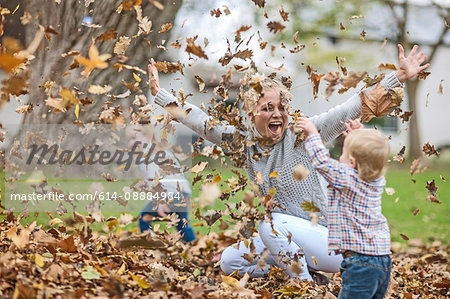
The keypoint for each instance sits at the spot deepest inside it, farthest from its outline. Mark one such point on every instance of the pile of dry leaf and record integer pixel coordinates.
(70, 261)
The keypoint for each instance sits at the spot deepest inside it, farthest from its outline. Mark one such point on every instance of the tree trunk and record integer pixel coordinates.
(66, 18)
(415, 146)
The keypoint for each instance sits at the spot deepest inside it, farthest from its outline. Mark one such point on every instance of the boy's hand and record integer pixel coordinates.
(352, 125)
(409, 67)
(306, 124)
(153, 81)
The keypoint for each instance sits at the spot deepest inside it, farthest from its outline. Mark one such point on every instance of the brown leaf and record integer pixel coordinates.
(194, 49)
(315, 79)
(24, 108)
(68, 244)
(387, 66)
(429, 150)
(245, 54)
(169, 67)
(275, 27)
(297, 48)
(284, 14)
(377, 104)
(404, 237)
(422, 75)
(351, 80)
(215, 12)
(406, 116)
(415, 165)
(165, 27)
(440, 90)
(259, 3)
(400, 157)
(237, 37)
(107, 35)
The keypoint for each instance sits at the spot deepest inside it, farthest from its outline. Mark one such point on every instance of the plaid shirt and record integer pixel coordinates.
(355, 221)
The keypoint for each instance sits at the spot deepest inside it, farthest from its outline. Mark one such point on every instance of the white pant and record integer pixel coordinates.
(305, 237)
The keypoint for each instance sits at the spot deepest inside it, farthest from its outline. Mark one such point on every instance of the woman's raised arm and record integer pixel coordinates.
(188, 114)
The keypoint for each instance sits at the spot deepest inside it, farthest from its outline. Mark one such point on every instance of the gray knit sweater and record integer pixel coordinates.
(284, 156)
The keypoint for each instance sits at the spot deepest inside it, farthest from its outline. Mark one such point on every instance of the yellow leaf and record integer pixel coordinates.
(39, 260)
(274, 175)
(77, 110)
(142, 284)
(163, 133)
(272, 191)
(121, 269)
(136, 77)
(100, 270)
(94, 61)
(112, 224)
(68, 96)
(159, 118)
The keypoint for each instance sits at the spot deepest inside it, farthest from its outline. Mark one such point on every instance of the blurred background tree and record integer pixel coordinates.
(72, 25)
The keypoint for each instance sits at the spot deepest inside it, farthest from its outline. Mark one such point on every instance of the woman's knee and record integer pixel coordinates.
(228, 260)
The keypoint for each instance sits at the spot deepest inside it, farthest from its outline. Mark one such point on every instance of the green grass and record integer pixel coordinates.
(431, 223)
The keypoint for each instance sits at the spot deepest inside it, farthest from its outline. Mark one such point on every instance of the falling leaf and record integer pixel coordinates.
(429, 150)
(440, 90)
(387, 66)
(389, 191)
(259, 3)
(284, 14)
(24, 108)
(275, 27)
(215, 12)
(209, 193)
(315, 79)
(169, 67)
(97, 89)
(415, 165)
(416, 212)
(356, 17)
(309, 206)
(94, 61)
(199, 167)
(404, 237)
(200, 82)
(145, 25)
(165, 27)
(122, 45)
(274, 174)
(157, 4)
(377, 103)
(77, 111)
(297, 48)
(341, 26)
(107, 35)
(442, 178)
(423, 75)
(194, 49)
(400, 157)
(300, 172)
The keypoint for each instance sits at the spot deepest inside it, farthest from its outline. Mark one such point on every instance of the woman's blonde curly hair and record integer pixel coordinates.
(253, 87)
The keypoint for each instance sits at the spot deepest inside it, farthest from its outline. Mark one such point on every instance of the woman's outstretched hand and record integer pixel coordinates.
(153, 81)
(410, 66)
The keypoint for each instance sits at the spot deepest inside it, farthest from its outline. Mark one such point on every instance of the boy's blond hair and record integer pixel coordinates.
(370, 149)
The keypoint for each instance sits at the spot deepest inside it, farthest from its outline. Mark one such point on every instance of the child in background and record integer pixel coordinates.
(171, 183)
(357, 228)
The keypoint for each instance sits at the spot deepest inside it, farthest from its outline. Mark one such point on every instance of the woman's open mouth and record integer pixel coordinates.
(275, 127)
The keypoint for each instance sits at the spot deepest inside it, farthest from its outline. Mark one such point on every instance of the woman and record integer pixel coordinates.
(290, 235)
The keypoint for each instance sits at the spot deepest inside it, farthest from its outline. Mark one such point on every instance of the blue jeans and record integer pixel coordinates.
(365, 276)
(186, 230)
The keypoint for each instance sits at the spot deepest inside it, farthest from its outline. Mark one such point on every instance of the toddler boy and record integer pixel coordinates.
(357, 228)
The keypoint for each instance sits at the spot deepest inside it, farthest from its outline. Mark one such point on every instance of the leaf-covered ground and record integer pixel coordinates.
(71, 261)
